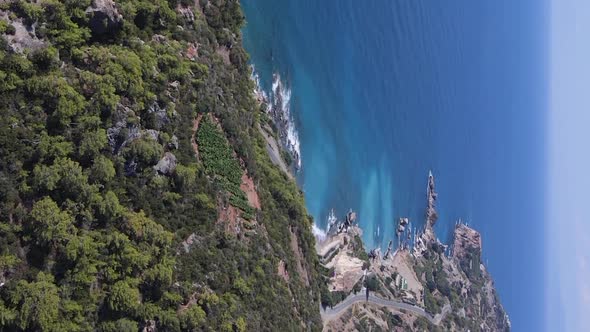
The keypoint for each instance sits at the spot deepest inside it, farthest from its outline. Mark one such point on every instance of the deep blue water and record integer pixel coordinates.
(383, 91)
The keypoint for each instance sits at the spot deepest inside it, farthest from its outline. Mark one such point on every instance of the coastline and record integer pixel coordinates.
(279, 131)
(420, 282)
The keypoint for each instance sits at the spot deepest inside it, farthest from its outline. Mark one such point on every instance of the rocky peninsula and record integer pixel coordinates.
(422, 285)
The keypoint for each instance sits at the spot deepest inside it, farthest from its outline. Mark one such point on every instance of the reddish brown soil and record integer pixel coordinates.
(229, 216)
(282, 271)
(248, 187)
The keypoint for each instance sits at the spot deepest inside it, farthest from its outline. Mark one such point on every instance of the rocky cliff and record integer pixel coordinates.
(426, 286)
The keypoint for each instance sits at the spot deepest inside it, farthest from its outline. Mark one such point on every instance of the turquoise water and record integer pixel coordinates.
(384, 91)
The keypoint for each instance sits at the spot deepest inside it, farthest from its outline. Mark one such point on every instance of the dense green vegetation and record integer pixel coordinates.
(90, 232)
(219, 161)
(217, 156)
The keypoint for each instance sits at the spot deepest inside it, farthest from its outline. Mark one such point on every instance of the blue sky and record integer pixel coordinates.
(568, 250)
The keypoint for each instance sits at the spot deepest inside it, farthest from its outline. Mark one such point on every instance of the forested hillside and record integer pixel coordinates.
(135, 189)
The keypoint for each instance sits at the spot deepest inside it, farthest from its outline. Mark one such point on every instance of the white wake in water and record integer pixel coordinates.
(319, 233)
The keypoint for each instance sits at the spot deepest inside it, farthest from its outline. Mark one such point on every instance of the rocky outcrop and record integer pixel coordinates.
(24, 36)
(467, 241)
(187, 13)
(173, 143)
(160, 115)
(167, 164)
(103, 17)
(431, 215)
(124, 129)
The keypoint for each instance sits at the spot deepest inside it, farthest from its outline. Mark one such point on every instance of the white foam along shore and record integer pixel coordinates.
(319, 233)
(278, 102)
(278, 106)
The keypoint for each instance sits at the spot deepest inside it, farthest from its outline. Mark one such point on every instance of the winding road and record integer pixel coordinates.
(331, 313)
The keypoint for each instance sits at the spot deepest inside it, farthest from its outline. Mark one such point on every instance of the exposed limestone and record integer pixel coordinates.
(24, 37)
(173, 144)
(273, 150)
(160, 115)
(167, 164)
(431, 215)
(151, 134)
(188, 243)
(466, 241)
(124, 129)
(104, 17)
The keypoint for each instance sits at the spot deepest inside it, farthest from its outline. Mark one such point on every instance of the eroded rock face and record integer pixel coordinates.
(282, 270)
(122, 132)
(431, 215)
(187, 13)
(167, 164)
(24, 37)
(104, 17)
(467, 241)
(160, 115)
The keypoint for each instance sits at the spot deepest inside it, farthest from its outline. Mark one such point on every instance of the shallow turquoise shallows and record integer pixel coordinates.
(384, 91)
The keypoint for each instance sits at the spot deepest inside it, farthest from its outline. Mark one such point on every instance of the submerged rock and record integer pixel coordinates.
(187, 13)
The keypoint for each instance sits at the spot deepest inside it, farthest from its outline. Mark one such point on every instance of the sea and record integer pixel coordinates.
(379, 93)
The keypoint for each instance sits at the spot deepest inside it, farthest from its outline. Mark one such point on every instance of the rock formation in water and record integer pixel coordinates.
(413, 289)
(431, 215)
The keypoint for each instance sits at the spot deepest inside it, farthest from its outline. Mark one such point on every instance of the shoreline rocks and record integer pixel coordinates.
(431, 214)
